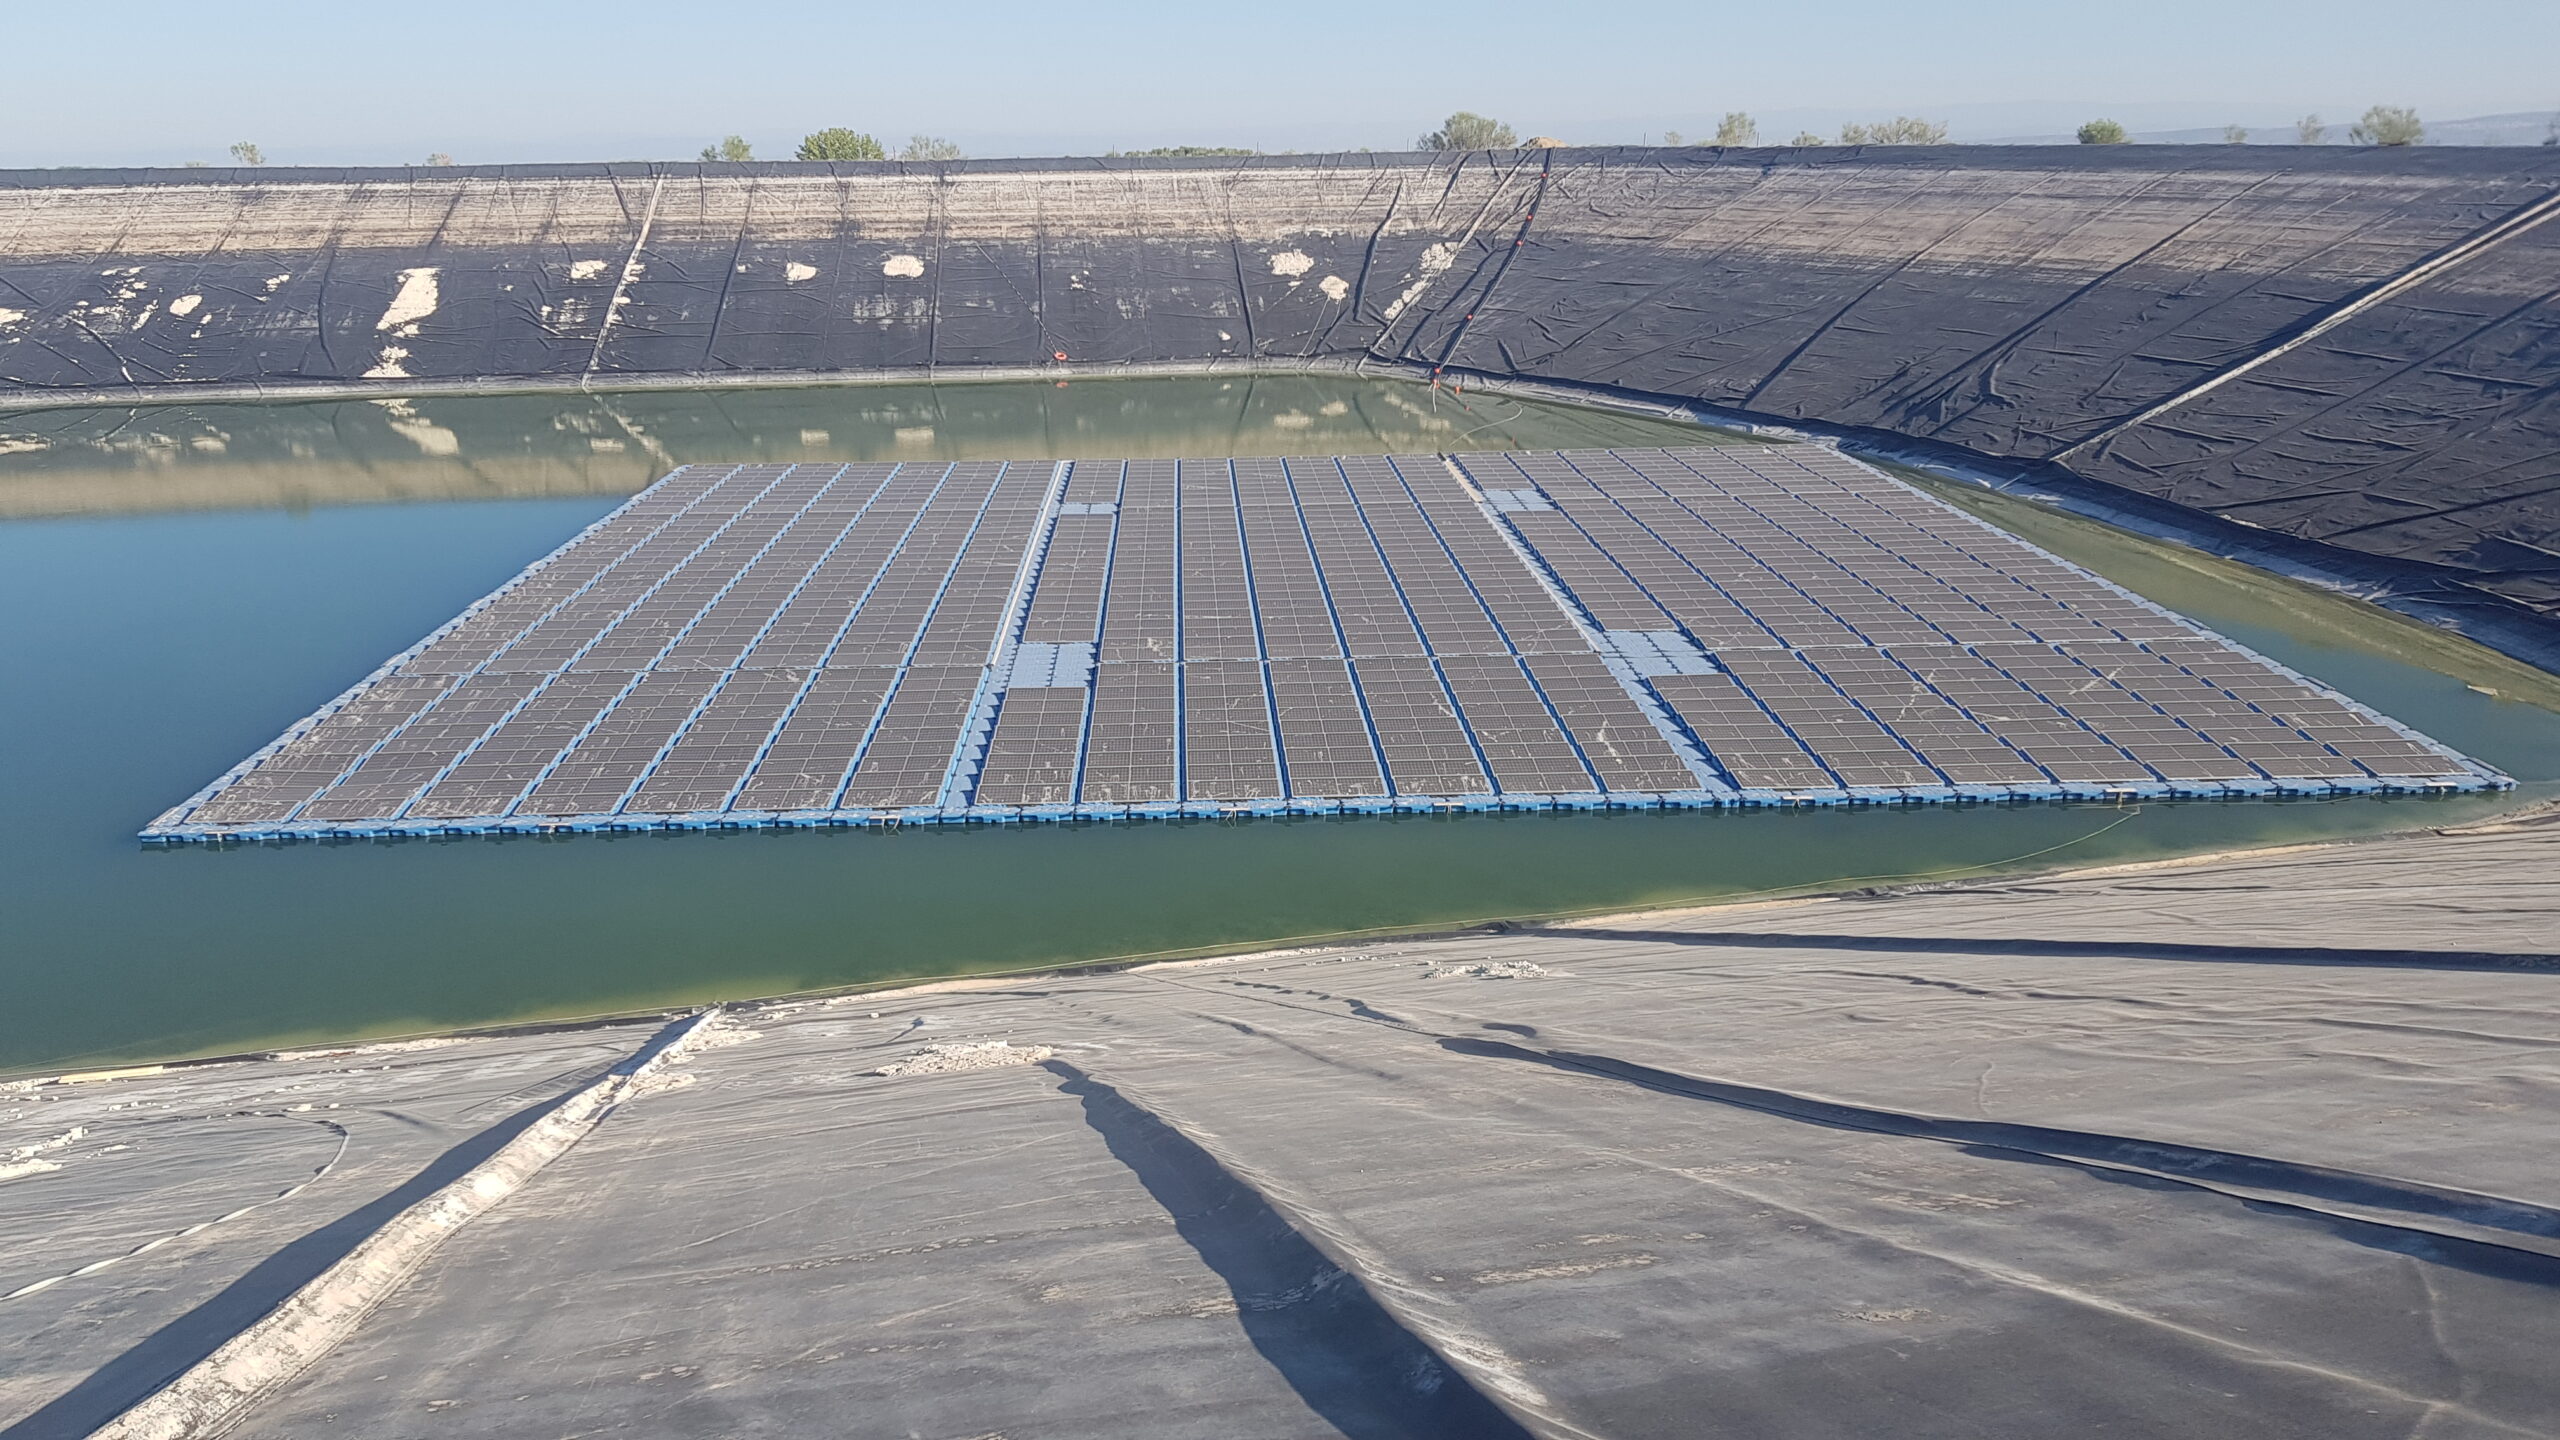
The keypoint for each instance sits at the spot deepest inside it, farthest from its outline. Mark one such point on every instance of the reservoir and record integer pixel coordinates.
(184, 582)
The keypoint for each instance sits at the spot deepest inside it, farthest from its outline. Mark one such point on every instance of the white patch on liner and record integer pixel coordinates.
(379, 1047)
(814, 438)
(914, 434)
(27, 1160)
(585, 269)
(1335, 288)
(795, 272)
(1292, 263)
(1435, 262)
(390, 367)
(1489, 970)
(185, 304)
(11, 317)
(902, 267)
(952, 1057)
(416, 301)
(276, 282)
(1292, 420)
(1565, 1271)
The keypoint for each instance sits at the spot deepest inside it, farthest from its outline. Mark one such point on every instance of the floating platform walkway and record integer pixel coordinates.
(1762, 625)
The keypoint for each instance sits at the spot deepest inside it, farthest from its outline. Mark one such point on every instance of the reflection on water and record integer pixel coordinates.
(205, 457)
(146, 652)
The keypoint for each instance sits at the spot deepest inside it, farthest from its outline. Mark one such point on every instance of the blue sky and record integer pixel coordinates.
(341, 83)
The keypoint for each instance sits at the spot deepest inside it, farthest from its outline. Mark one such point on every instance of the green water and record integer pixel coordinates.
(197, 598)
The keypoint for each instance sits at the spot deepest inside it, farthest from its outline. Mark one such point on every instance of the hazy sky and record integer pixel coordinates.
(141, 82)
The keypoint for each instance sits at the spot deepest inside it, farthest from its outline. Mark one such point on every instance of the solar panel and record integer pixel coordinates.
(845, 644)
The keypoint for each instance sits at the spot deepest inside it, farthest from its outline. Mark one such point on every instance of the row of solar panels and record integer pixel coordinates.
(1823, 554)
(842, 616)
(1628, 538)
(1714, 623)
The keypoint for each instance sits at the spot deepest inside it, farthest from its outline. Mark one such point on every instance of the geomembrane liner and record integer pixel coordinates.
(848, 644)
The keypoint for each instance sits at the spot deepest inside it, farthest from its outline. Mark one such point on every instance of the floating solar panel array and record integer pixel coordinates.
(849, 644)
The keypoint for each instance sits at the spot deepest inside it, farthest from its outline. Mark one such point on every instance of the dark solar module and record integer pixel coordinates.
(614, 755)
(1950, 741)
(1515, 731)
(706, 765)
(332, 746)
(1032, 759)
(1227, 746)
(806, 757)
(1134, 753)
(1324, 730)
(1428, 749)
(795, 643)
(1749, 744)
(1620, 744)
(910, 750)
(384, 782)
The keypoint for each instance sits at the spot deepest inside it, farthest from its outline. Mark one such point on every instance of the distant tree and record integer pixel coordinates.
(1737, 129)
(1542, 142)
(1806, 139)
(1188, 152)
(930, 147)
(2102, 132)
(838, 143)
(1900, 130)
(439, 158)
(1467, 130)
(2388, 125)
(2235, 134)
(2309, 130)
(731, 148)
(197, 165)
(1670, 137)
(247, 153)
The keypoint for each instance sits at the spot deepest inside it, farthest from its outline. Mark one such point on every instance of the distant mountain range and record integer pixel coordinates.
(2524, 127)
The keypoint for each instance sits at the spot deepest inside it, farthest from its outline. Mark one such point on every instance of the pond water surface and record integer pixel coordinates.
(182, 583)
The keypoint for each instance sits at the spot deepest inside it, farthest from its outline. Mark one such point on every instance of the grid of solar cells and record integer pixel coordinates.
(1900, 644)
(1314, 612)
(775, 643)
(1748, 741)
(1134, 752)
(1517, 733)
